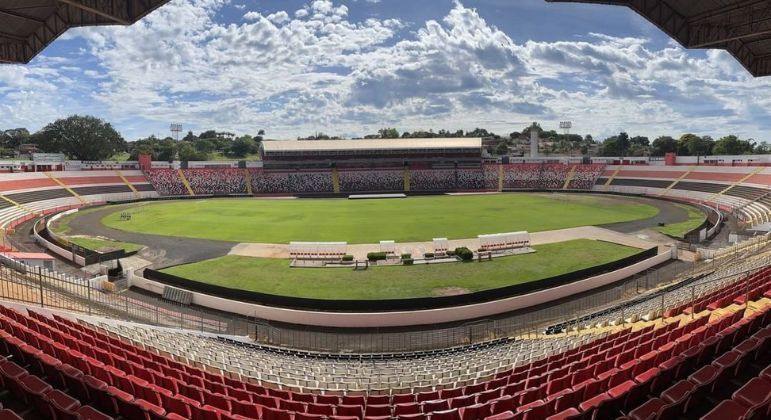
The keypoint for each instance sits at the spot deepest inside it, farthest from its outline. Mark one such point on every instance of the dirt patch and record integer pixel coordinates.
(450, 291)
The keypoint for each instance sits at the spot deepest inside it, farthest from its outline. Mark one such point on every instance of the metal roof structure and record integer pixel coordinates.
(377, 144)
(28, 26)
(743, 28)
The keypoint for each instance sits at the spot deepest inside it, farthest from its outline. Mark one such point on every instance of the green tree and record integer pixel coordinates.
(188, 152)
(243, 146)
(205, 146)
(190, 137)
(80, 137)
(663, 145)
(12, 138)
(610, 147)
(622, 143)
(732, 145)
(640, 141)
(502, 148)
(763, 148)
(388, 133)
(692, 145)
(208, 134)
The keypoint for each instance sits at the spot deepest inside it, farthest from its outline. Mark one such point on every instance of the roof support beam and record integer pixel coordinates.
(20, 16)
(738, 24)
(95, 9)
(13, 37)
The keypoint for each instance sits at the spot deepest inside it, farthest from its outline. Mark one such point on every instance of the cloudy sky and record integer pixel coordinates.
(349, 67)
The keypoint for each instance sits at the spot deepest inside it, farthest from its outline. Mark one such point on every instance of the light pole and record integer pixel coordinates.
(565, 126)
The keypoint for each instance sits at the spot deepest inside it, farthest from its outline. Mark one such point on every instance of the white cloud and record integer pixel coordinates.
(320, 71)
(252, 15)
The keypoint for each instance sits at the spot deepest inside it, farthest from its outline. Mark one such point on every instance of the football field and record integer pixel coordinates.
(369, 221)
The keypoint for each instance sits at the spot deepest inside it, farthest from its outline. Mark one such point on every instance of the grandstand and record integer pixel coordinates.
(371, 153)
(681, 341)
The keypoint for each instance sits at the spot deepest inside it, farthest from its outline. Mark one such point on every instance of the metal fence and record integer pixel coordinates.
(39, 287)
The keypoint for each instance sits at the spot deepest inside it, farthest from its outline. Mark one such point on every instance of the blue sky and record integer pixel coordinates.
(349, 67)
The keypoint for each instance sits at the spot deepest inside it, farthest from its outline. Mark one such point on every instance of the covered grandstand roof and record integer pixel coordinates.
(28, 26)
(378, 144)
(743, 28)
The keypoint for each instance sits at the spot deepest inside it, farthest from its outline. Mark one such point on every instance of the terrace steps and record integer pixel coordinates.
(500, 177)
(68, 189)
(744, 178)
(184, 181)
(335, 181)
(248, 178)
(406, 179)
(675, 182)
(611, 177)
(20, 206)
(571, 174)
(128, 184)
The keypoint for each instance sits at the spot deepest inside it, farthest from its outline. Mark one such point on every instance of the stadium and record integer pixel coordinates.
(377, 279)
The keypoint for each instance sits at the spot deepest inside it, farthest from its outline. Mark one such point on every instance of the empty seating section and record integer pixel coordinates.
(675, 299)
(646, 183)
(216, 181)
(37, 193)
(743, 191)
(372, 180)
(61, 368)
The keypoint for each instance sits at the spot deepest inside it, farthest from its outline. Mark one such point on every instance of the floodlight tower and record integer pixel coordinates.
(565, 126)
(175, 130)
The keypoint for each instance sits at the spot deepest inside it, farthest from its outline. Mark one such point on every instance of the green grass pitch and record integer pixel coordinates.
(274, 276)
(410, 219)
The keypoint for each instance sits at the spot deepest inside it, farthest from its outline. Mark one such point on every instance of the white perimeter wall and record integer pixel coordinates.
(407, 318)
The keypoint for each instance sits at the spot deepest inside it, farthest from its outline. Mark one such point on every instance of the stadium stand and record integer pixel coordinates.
(166, 181)
(371, 180)
(216, 181)
(742, 191)
(517, 176)
(28, 194)
(591, 366)
(290, 182)
(59, 366)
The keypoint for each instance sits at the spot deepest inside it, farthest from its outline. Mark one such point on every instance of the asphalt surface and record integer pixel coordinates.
(163, 251)
(668, 213)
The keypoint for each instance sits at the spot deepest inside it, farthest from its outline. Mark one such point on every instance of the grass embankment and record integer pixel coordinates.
(274, 276)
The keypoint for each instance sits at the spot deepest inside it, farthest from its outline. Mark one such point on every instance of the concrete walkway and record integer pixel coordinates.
(359, 251)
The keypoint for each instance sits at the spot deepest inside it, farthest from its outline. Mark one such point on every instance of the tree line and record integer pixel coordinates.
(90, 138)
(688, 144)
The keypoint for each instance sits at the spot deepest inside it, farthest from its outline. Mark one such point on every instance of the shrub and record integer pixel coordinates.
(464, 253)
(376, 256)
(408, 261)
(406, 256)
(429, 255)
(347, 257)
(450, 252)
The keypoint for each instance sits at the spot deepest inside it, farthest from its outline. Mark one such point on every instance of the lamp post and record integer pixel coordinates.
(565, 126)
